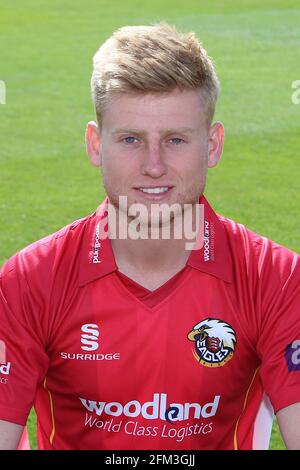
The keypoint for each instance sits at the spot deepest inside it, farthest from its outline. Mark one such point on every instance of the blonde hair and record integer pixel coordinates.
(154, 58)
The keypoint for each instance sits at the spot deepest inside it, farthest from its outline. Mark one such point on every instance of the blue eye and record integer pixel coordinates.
(129, 140)
(177, 140)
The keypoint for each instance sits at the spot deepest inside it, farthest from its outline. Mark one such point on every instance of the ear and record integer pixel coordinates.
(215, 143)
(93, 143)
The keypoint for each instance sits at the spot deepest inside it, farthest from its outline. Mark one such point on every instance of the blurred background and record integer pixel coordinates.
(46, 51)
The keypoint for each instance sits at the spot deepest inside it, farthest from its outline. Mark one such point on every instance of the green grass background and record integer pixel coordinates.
(45, 60)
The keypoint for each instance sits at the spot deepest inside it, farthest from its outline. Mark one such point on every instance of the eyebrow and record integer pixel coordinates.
(178, 130)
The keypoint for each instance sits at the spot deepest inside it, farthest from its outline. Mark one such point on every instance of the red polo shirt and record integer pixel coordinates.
(197, 364)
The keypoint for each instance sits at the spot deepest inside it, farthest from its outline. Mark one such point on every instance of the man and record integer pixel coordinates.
(151, 342)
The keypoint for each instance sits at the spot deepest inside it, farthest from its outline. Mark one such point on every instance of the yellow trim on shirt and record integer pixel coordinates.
(52, 414)
(245, 402)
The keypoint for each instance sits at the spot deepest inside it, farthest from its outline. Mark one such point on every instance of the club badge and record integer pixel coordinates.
(215, 342)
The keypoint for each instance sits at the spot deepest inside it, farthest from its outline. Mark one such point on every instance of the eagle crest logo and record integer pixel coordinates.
(215, 342)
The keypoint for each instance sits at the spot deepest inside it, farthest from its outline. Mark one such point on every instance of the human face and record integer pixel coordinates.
(155, 140)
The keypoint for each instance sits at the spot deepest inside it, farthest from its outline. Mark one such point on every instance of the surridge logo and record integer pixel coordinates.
(155, 409)
(89, 337)
(215, 342)
(90, 342)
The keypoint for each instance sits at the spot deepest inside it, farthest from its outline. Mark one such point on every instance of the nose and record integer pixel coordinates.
(153, 164)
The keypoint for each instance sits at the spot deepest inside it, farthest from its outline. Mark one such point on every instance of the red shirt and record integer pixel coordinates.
(108, 364)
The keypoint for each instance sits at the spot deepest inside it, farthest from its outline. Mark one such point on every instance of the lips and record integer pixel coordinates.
(155, 193)
(161, 185)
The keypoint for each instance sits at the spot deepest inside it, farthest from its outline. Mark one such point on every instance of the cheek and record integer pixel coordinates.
(192, 167)
(117, 172)
(111, 165)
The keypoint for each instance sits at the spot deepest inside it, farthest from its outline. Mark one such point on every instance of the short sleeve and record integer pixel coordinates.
(279, 338)
(24, 361)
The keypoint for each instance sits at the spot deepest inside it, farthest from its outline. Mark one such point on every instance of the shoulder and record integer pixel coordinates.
(40, 281)
(259, 254)
(44, 255)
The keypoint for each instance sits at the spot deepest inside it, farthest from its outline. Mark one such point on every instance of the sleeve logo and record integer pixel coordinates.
(292, 356)
(214, 341)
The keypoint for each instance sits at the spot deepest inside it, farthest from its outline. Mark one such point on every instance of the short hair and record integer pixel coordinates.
(155, 58)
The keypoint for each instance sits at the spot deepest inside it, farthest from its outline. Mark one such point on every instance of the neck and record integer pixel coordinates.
(156, 255)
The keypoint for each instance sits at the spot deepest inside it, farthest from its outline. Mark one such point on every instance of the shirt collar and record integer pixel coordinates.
(214, 257)
(97, 258)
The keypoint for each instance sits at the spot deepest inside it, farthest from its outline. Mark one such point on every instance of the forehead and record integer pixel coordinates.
(178, 108)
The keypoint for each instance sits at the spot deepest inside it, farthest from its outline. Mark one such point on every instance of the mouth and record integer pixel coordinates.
(155, 193)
